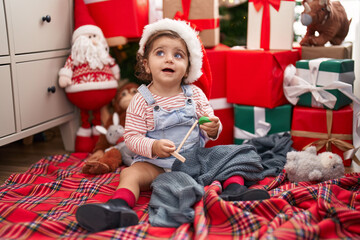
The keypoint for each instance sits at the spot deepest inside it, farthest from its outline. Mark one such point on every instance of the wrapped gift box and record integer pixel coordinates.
(343, 51)
(324, 72)
(321, 127)
(255, 78)
(308, 100)
(222, 109)
(204, 15)
(270, 24)
(119, 19)
(251, 122)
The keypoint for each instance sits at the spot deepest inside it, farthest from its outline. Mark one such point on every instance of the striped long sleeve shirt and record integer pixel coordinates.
(140, 119)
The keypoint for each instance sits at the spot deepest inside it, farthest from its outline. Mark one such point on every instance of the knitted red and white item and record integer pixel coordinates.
(199, 72)
(89, 76)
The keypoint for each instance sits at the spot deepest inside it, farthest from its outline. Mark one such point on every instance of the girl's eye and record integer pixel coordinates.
(89, 36)
(94, 36)
(160, 53)
(178, 55)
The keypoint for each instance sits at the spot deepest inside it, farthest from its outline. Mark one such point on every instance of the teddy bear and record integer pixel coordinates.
(109, 154)
(306, 165)
(328, 19)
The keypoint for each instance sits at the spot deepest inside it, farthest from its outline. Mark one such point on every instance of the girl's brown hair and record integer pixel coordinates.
(140, 71)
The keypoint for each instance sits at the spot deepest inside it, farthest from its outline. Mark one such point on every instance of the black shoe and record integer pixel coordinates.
(97, 217)
(237, 192)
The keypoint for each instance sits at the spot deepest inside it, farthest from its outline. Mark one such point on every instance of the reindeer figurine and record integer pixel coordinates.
(327, 18)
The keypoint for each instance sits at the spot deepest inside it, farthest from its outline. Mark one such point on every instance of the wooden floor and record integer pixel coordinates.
(17, 157)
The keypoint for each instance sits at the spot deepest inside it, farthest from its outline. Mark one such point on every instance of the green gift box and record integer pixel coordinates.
(324, 72)
(252, 122)
(308, 100)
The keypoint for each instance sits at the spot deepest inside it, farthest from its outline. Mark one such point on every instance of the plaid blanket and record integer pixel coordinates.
(41, 204)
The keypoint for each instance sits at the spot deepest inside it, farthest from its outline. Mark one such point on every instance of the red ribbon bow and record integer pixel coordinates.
(181, 16)
(265, 23)
(259, 3)
(197, 24)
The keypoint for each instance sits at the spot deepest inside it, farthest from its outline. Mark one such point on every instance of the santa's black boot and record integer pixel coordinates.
(97, 217)
(237, 192)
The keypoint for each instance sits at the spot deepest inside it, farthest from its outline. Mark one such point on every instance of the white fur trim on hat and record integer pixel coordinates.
(187, 33)
(87, 29)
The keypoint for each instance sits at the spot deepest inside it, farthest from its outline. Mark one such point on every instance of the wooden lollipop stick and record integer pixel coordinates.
(176, 152)
(187, 135)
(178, 156)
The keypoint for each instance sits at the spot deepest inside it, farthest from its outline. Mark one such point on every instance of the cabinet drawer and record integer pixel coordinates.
(37, 103)
(7, 117)
(4, 49)
(31, 33)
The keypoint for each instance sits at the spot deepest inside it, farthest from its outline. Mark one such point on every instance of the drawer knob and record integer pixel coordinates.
(47, 18)
(51, 89)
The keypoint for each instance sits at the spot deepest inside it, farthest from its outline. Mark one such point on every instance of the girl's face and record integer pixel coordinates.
(168, 61)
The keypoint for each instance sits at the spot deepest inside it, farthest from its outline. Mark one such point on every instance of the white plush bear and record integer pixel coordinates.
(307, 166)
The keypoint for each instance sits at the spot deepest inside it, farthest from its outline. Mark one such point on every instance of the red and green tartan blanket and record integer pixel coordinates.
(41, 204)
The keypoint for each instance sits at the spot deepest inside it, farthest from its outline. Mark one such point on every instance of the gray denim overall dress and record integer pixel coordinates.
(172, 125)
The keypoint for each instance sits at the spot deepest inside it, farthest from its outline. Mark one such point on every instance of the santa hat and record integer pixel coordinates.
(84, 24)
(199, 66)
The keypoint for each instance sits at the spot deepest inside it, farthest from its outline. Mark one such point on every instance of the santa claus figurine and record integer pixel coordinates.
(90, 76)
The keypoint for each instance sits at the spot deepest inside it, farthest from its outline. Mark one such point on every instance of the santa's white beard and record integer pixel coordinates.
(84, 51)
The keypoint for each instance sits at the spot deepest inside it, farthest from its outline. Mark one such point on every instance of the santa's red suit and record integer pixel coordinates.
(91, 89)
(89, 77)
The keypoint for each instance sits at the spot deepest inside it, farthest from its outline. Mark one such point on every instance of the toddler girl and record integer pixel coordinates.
(159, 116)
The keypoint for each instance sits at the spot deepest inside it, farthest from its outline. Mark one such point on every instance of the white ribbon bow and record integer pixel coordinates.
(294, 86)
(261, 126)
(261, 131)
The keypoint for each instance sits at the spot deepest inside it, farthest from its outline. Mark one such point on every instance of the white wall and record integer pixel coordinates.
(352, 8)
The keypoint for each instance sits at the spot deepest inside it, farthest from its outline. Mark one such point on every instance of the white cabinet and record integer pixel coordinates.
(7, 125)
(35, 40)
(4, 48)
(39, 98)
(43, 23)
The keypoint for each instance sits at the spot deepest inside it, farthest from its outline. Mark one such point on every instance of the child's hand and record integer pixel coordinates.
(211, 128)
(162, 148)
